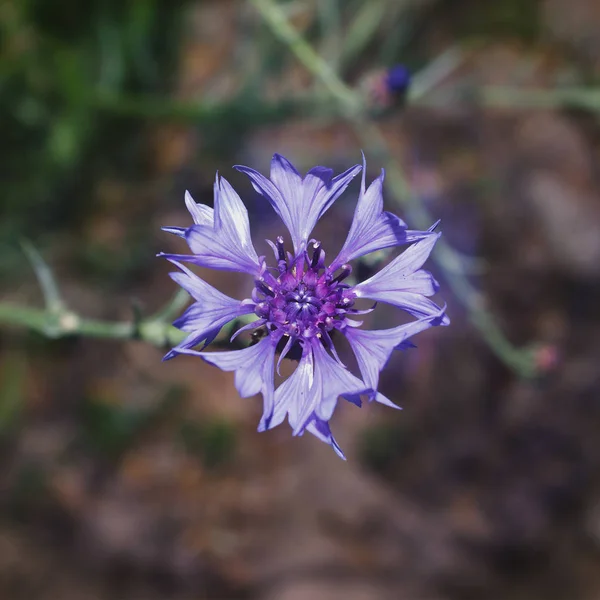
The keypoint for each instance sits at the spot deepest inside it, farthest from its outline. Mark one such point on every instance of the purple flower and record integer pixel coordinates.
(301, 305)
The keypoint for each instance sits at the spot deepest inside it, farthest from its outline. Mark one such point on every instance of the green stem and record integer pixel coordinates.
(155, 331)
(49, 288)
(57, 321)
(68, 324)
(22, 316)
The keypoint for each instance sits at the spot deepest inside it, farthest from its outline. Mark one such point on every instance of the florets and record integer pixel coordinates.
(303, 299)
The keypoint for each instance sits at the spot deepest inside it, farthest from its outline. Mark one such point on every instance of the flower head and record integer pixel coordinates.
(398, 79)
(384, 89)
(301, 303)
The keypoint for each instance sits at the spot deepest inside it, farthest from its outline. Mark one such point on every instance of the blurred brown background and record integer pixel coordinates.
(124, 477)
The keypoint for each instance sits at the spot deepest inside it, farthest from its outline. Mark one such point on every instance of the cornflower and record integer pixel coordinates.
(301, 304)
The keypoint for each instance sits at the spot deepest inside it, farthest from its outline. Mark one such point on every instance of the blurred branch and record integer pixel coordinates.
(154, 331)
(355, 111)
(61, 323)
(330, 25)
(58, 321)
(280, 26)
(429, 78)
(54, 303)
(361, 30)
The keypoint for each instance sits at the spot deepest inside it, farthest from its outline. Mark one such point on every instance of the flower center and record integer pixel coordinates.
(303, 299)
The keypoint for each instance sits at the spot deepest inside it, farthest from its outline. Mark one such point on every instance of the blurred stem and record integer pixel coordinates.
(361, 30)
(57, 320)
(372, 139)
(330, 36)
(54, 303)
(330, 25)
(156, 331)
(281, 28)
(66, 323)
(430, 77)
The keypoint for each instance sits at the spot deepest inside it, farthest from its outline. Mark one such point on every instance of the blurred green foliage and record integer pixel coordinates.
(381, 446)
(79, 80)
(111, 265)
(29, 492)
(13, 375)
(109, 428)
(212, 441)
(509, 18)
(59, 62)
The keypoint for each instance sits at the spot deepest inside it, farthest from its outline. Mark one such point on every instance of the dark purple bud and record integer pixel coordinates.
(398, 79)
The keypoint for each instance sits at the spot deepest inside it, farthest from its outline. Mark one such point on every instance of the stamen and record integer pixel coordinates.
(346, 270)
(316, 255)
(264, 288)
(305, 301)
(280, 248)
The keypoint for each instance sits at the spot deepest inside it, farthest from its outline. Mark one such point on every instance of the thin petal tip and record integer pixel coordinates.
(265, 424)
(169, 355)
(337, 449)
(282, 161)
